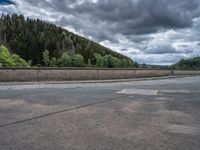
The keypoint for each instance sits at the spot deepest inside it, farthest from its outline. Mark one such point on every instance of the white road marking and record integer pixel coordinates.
(154, 92)
(183, 129)
(138, 92)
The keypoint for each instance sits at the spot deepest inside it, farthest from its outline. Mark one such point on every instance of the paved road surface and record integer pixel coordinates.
(140, 115)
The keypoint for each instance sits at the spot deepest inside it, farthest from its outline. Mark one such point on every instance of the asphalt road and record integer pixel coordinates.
(139, 115)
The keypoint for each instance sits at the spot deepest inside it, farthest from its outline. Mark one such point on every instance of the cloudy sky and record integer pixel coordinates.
(148, 31)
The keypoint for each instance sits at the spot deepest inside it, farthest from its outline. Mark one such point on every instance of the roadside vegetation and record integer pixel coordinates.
(11, 60)
(65, 60)
(77, 60)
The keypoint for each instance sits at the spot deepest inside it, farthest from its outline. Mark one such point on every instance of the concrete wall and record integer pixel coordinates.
(61, 74)
(185, 72)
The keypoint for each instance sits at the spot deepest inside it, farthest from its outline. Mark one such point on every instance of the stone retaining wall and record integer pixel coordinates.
(67, 74)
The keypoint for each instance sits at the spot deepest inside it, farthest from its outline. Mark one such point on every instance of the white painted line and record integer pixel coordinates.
(156, 93)
(183, 129)
(175, 91)
(138, 92)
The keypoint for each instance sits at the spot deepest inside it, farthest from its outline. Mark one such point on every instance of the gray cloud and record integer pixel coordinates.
(136, 28)
(141, 17)
(124, 49)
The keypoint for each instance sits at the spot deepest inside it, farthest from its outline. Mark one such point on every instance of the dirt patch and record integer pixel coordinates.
(131, 107)
(7, 103)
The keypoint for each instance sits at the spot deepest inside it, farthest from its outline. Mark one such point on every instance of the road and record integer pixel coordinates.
(139, 115)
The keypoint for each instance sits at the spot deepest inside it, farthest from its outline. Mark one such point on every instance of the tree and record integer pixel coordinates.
(99, 60)
(107, 61)
(29, 37)
(64, 61)
(46, 58)
(6, 58)
(77, 60)
(19, 62)
(116, 62)
(191, 63)
(135, 64)
(111, 62)
(53, 62)
(124, 63)
(89, 64)
(9, 60)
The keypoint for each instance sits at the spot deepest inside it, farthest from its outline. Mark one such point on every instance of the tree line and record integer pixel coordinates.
(108, 61)
(77, 60)
(191, 63)
(29, 38)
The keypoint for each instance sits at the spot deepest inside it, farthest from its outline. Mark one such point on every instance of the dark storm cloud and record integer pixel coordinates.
(87, 28)
(138, 38)
(138, 17)
(128, 17)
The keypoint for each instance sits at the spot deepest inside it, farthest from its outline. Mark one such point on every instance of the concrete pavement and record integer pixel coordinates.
(141, 115)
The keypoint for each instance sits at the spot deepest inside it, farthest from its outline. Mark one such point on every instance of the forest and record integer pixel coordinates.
(40, 43)
(191, 63)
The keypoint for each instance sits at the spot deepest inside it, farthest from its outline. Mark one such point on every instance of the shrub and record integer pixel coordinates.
(111, 62)
(99, 60)
(64, 61)
(9, 60)
(53, 62)
(77, 60)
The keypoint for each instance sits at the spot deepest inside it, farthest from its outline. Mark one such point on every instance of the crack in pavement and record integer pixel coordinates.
(61, 111)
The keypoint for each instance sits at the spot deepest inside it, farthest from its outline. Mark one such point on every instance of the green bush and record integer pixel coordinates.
(9, 60)
(124, 63)
(6, 58)
(77, 60)
(53, 62)
(65, 60)
(116, 62)
(99, 60)
(107, 61)
(111, 62)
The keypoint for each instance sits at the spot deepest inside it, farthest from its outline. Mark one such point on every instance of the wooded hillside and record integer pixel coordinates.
(29, 38)
(192, 63)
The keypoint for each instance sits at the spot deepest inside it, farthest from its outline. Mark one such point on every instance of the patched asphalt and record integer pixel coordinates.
(136, 115)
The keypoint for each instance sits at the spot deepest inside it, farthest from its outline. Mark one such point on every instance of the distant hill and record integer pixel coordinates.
(148, 66)
(29, 38)
(192, 63)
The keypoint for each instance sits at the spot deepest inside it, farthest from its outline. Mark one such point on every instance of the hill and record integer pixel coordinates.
(29, 38)
(191, 63)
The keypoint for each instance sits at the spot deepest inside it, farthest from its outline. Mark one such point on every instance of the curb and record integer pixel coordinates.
(94, 81)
